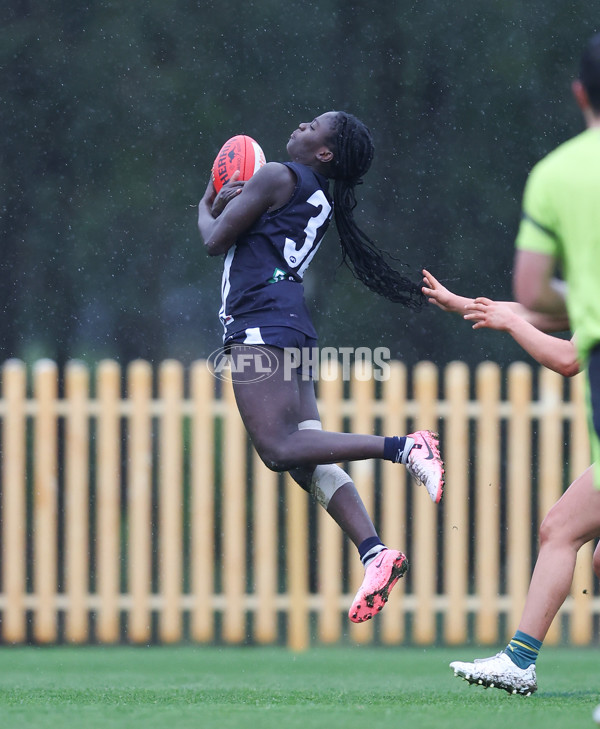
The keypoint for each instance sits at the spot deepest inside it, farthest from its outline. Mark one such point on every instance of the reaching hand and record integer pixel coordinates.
(226, 194)
(439, 295)
(490, 314)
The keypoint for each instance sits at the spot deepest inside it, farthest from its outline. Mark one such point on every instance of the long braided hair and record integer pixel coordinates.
(352, 147)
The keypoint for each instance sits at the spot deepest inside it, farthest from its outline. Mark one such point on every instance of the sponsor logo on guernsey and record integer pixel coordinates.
(278, 275)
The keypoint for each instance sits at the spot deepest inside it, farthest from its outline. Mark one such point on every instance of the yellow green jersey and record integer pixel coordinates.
(561, 218)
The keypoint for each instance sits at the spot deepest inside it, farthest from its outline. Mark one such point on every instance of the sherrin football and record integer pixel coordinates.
(238, 153)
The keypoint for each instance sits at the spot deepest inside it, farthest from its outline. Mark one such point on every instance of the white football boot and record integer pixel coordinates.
(498, 672)
(425, 464)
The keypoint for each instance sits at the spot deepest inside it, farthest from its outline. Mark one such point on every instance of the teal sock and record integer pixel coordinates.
(523, 650)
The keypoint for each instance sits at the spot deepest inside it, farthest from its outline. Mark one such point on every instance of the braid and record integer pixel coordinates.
(353, 153)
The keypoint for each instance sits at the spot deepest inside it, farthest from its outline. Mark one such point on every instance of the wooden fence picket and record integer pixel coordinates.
(133, 505)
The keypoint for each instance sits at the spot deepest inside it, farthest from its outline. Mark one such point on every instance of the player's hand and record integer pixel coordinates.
(226, 194)
(485, 313)
(439, 295)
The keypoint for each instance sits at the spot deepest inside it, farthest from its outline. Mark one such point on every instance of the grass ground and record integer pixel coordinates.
(268, 688)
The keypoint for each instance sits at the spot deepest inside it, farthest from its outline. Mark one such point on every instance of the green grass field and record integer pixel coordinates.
(264, 688)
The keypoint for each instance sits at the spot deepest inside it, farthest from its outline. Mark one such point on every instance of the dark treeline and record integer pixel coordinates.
(112, 114)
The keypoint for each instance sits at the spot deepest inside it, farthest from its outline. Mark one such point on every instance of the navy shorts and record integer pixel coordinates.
(282, 338)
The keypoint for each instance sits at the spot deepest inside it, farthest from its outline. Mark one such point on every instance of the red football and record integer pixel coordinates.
(238, 153)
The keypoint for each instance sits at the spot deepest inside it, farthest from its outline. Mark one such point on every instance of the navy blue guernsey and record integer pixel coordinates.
(262, 279)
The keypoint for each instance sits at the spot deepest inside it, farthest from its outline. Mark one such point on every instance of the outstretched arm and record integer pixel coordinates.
(526, 327)
(439, 295)
(556, 354)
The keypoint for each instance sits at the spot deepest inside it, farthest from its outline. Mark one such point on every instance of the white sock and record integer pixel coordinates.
(371, 554)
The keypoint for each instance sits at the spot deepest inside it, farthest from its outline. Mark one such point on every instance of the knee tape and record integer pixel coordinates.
(310, 425)
(326, 480)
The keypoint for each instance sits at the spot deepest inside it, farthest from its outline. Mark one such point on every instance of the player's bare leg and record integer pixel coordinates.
(336, 492)
(572, 522)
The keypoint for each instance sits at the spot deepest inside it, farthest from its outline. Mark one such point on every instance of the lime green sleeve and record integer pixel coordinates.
(537, 230)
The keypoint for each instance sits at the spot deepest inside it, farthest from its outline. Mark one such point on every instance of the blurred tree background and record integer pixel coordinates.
(112, 113)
